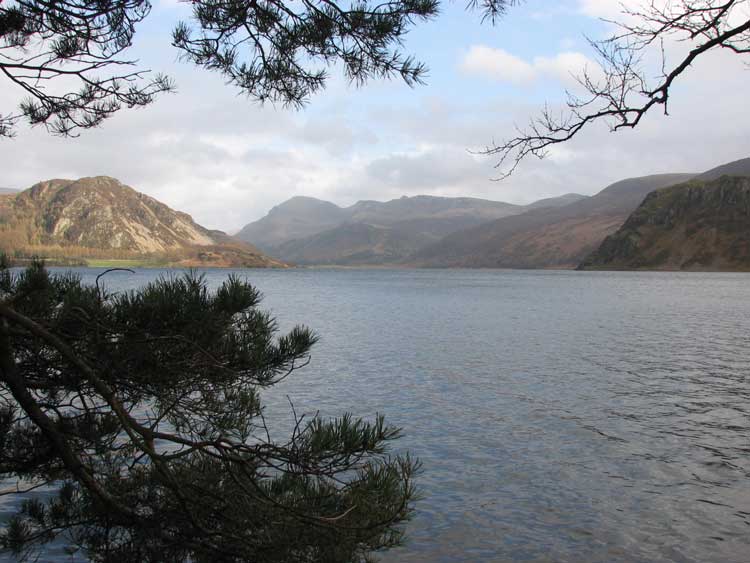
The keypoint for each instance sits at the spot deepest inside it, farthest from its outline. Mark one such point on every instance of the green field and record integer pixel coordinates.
(123, 263)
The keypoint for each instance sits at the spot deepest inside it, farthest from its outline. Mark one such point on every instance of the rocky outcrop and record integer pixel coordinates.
(699, 225)
(101, 212)
(104, 217)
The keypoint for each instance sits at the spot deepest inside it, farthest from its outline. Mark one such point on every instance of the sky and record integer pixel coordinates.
(213, 153)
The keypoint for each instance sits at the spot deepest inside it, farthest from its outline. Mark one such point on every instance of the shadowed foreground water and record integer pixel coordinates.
(560, 416)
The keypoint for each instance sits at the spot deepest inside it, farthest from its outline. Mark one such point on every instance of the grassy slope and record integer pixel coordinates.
(698, 225)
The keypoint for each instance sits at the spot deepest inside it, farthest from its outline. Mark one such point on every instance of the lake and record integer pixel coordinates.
(560, 416)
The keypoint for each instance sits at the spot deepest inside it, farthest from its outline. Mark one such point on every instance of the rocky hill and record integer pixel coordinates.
(102, 218)
(310, 231)
(550, 237)
(700, 225)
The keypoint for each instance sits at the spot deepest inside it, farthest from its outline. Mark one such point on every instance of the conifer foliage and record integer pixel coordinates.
(139, 413)
(68, 59)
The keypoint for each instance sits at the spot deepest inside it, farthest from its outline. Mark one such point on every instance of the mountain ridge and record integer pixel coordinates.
(294, 235)
(544, 238)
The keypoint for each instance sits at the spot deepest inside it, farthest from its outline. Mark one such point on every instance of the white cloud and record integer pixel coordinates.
(606, 9)
(215, 155)
(505, 67)
(615, 10)
(497, 64)
(564, 66)
(739, 14)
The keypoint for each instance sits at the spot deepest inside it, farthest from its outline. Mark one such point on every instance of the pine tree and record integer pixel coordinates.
(141, 410)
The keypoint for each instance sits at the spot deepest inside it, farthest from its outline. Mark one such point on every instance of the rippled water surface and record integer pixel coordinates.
(560, 416)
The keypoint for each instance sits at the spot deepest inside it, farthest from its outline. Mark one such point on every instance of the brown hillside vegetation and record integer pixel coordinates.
(700, 225)
(104, 219)
(558, 237)
(353, 244)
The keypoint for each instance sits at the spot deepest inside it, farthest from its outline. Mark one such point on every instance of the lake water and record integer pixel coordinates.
(560, 416)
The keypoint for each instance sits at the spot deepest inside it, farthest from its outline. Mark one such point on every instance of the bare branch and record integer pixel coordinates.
(623, 94)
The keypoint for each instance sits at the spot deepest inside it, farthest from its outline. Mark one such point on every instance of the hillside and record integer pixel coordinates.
(557, 237)
(102, 218)
(300, 217)
(311, 231)
(353, 243)
(700, 225)
(296, 218)
(428, 207)
(559, 201)
(736, 168)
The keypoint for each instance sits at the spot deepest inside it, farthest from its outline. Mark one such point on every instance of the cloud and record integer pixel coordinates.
(564, 66)
(607, 9)
(739, 15)
(502, 66)
(617, 10)
(226, 161)
(497, 64)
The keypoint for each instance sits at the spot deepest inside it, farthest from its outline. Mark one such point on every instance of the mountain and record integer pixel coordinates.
(559, 201)
(311, 231)
(300, 217)
(700, 225)
(7, 191)
(737, 168)
(353, 243)
(549, 237)
(296, 218)
(428, 207)
(102, 218)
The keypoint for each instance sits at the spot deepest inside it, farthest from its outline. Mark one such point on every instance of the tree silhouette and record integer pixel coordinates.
(142, 411)
(69, 57)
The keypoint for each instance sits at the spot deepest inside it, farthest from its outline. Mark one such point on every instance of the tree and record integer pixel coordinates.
(46, 42)
(272, 50)
(280, 51)
(142, 411)
(619, 91)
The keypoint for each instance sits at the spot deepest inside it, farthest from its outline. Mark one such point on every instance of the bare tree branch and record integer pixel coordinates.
(619, 92)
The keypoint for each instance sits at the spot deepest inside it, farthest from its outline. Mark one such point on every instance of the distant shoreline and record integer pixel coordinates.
(147, 265)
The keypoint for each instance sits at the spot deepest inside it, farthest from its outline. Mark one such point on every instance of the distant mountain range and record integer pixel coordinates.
(666, 221)
(7, 191)
(544, 238)
(305, 230)
(460, 232)
(100, 218)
